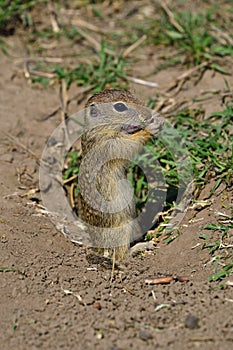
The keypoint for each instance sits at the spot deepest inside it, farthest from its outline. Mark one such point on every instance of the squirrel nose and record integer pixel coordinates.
(151, 120)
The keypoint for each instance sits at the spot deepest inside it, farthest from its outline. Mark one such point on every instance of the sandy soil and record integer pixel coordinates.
(52, 298)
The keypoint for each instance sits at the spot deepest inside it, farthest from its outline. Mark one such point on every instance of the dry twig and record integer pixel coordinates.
(141, 81)
(63, 97)
(72, 201)
(159, 280)
(70, 179)
(184, 76)
(222, 35)
(90, 26)
(54, 19)
(225, 96)
(134, 46)
(170, 16)
(94, 42)
(166, 279)
(28, 73)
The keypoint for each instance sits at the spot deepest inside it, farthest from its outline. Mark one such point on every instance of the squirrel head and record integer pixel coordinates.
(117, 113)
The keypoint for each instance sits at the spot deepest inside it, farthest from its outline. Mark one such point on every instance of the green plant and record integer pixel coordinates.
(225, 271)
(209, 143)
(220, 245)
(197, 36)
(192, 147)
(107, 71)
(72, 165)
(11, 12)
(71, 170)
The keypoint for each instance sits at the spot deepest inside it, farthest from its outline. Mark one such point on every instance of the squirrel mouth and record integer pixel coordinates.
(131, 128)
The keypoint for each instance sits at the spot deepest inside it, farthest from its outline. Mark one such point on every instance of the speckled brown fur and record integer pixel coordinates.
(112, 138)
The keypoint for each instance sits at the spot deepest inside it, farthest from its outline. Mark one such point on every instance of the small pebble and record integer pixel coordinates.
(191, 322)
(145, 336)
(97, 305)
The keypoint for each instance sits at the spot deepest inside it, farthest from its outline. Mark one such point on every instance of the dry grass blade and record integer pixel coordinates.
(28, 72)
(47, 59)
(222, 35)
(49, 46)
(225, 96)
(192, 70)
(94, 42)
(165, 104)
(170, 16)
(84, 24)
(54, 22)
(179, 81)
(42, 74)
(72, 201)
(90, 39)
(70, 179)
(63, 99)
(141, 81)
(53, 19)
(134, 46)
(50, 115)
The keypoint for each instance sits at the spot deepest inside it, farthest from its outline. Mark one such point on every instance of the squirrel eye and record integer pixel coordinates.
(120, 107)
(93, 111)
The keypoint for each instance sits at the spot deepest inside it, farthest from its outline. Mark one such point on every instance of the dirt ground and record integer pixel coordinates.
(51, 297)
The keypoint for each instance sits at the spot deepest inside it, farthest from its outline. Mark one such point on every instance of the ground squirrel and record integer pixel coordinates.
(117, 126)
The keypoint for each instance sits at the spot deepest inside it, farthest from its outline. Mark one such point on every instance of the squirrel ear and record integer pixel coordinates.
(94, 113)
